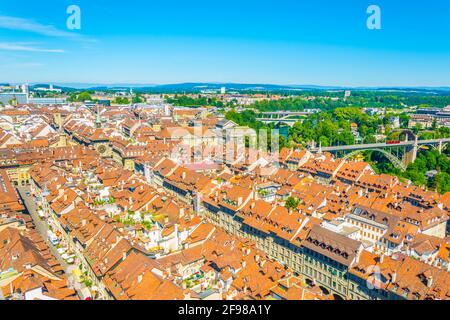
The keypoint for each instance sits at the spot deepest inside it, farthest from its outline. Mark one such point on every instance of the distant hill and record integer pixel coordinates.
(193, 87)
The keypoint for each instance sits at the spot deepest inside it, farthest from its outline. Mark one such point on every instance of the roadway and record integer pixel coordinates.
(379, 145)
(277, 119)
(288, 113)
(42, 227)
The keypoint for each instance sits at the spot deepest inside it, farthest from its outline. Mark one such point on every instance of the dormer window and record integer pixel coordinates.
(405, 292)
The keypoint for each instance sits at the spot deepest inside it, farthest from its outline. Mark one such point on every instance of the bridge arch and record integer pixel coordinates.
(438, 147)
(410, 136)
(287, 123)
(324, 290)
(393, 159)
(338, 297)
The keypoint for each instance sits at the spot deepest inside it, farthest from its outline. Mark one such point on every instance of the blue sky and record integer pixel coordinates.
(320, 42)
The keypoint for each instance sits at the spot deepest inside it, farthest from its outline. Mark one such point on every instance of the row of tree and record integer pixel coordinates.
(86, 96)
(199, 101)
(325, 100)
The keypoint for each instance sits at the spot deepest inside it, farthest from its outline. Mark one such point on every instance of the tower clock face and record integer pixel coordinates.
(101, 149)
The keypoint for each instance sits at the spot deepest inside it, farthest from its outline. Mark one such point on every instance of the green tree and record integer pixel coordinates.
(137, 99)
(442, 182)
(404, 120)
(121, 100)
(434, 124)
(324, 141)
(291, 203)
(417, 128)
(417, 177)
(72, 97)
(84, 96)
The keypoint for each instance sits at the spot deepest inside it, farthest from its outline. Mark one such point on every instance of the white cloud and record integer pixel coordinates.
(26, 47)
(21, 24)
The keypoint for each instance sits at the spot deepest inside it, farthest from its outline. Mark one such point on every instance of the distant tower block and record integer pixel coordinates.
(223, 90)
(347, 94)
(166, 110)
(24, 88)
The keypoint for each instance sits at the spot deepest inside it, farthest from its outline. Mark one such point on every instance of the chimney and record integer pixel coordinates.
(357, 255)
(83, 222)
(124, 256)
(240, 200)
(430, 281)
(262, 263)
(183, 175)
(139, 278)
(181, 212)
(382, 258)
(394, 277)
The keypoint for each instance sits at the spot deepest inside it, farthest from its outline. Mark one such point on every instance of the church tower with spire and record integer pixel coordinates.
(98, 120)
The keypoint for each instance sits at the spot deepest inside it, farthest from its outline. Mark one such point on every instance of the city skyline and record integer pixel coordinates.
(288, 43)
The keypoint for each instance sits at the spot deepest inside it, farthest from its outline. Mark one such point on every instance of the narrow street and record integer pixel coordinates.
(42, 227)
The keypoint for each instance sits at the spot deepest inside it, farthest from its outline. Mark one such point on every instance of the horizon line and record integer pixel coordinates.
(227, 83)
